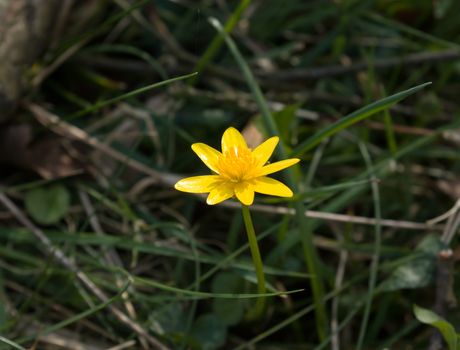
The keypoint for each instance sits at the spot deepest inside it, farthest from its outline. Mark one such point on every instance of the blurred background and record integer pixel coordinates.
(99, 105)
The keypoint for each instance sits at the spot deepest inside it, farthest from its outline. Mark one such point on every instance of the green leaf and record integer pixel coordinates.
(167, 319)
(446, 329)
(209, 331)
(230, 311)
(47, 205)
(353, 118)
(417, 272)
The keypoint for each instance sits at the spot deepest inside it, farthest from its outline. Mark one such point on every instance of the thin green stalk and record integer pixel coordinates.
(393, 24)
(315, 163)
(194, 303)
(99, 105)
(11, 343)
(256, 259)
(389, 128)
(305, 232)
(389, 132)
(78, 317)
(218, 40)
(377, 247)
(232, 256)
(342, 325)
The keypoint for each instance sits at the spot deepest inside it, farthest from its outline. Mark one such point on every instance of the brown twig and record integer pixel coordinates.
(241, 100)
(62, 339)
(444, 292)
(401, 224)
(59, 255)
(445, 297)
(63, 128)
(339, 276)
(126, 345)
(384, 63)
(401, 129)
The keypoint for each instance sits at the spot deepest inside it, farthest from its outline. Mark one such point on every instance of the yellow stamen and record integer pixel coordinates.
(236, 164)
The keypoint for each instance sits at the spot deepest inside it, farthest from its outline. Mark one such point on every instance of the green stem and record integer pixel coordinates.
(305, 231)
(216, 43)
(256, 259)
(377, 246)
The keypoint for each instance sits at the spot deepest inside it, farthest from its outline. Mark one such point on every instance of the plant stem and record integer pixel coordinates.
(305, 232)
(216, 43)
(377, 246)
(256, 259)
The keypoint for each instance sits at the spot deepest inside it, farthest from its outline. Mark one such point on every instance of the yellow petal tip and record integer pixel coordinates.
(246, 201)
(178, 186)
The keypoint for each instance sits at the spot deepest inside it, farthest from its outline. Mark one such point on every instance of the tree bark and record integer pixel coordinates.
(25, 29)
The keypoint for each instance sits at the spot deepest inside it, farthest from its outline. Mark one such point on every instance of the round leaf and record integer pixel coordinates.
(209, 331)
(48, 205)
(229, 312)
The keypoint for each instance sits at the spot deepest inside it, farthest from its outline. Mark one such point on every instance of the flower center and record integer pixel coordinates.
(236, 164)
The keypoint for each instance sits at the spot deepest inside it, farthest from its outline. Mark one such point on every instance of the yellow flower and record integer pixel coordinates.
(239, 170)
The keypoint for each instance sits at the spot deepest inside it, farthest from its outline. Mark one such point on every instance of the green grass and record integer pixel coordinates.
(146, 81)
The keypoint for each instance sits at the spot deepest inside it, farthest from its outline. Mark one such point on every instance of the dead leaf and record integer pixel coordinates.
(252, 135)
(450, 188)
(46, 156)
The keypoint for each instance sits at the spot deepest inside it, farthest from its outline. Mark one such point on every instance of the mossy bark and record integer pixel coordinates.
(25, 31)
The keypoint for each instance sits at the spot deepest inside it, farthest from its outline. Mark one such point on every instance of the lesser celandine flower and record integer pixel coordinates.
(239, 170)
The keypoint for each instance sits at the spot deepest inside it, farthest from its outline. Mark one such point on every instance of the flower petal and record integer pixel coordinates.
(264, 151)
(198, 184)
(244, 191)
(267, 185)
(232, 139)
(208, 155)
(277, 166)
(220, 193)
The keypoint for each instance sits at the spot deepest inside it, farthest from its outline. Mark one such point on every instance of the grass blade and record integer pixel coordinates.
(141, 90)
(377, 245)
(81, 315)
(204, 295)
(11, 343)
(353, 118)
(218, 40)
